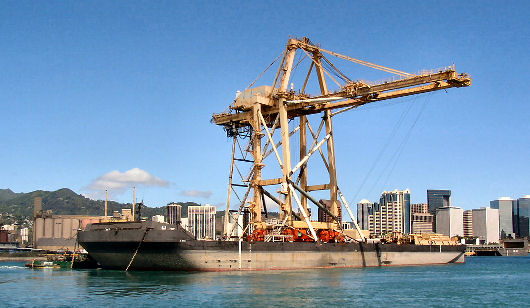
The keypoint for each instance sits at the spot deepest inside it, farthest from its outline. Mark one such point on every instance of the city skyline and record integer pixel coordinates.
(118, 95)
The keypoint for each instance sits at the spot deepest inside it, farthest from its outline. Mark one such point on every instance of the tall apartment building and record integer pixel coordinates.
(449, 221)
(201, 221)
(506, 207)
(365, 208)
(174, 213)
(438, 198)
(468, 223)
(486, 225)
(522, 217)
(392, 214)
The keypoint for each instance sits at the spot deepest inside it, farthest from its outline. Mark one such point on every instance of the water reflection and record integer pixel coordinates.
(478, 282)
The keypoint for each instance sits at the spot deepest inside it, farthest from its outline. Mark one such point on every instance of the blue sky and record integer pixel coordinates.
(123, 91)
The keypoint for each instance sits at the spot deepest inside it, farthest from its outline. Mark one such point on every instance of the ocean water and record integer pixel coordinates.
(481, 281)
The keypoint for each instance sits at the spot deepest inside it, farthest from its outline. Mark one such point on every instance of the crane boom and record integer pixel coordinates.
(356, 94)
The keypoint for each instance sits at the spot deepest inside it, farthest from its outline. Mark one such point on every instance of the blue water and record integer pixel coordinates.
(490, 281)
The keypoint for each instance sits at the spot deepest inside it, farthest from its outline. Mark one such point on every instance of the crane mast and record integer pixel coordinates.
(258, 112)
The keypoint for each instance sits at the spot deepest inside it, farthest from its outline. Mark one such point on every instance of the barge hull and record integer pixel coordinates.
(148, 247)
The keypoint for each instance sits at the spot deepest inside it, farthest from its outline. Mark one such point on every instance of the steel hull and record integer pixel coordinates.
(116, 248)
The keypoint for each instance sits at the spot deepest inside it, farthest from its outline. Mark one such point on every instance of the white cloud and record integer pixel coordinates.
(118, 182)
(196, 193)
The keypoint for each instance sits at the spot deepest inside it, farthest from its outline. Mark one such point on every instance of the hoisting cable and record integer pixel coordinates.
(264, 71)
(404, 142)
(378, 157)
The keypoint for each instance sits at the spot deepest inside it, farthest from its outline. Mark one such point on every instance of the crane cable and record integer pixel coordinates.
(264, 71)
(401, 147)
(379, 155)
(358, 61)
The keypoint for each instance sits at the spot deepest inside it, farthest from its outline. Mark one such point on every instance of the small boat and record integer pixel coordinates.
(65, 261)
(42, 264)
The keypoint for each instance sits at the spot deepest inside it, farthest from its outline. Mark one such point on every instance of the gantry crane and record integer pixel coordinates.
(258, 112)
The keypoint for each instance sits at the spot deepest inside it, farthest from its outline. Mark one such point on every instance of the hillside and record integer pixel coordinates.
(7, 194)
(66, 201)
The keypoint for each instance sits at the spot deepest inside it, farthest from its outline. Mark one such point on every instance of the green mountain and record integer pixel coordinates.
(7, 194)
(67, 202)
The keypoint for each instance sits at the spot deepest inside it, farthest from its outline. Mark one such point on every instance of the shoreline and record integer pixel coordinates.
(21, 259)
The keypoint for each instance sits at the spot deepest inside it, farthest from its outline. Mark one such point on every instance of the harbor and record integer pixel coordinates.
(478, 282)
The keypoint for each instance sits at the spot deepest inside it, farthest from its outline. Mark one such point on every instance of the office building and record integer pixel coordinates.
(421, 219)
(506, 207)
(486, 225)
(468, 223)
(174, 213)
(522, 226)
(449, 221)
(419, 208)
(392, 213)
(422, 223)
(437, 199)
(365, 208)
(201, 221)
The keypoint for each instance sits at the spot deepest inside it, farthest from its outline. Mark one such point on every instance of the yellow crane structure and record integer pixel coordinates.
(257, 113)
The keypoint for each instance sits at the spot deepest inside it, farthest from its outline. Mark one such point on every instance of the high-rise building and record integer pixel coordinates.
(324, 216)
(419, 208)
(201, 221)
(174, 213)
(392, 213)
(522, 226)
(506, 206)
(468, 223)
(365, 208)
(422, 220)
(449, 221)
(486, 225)
(437, 199)
(422, 223)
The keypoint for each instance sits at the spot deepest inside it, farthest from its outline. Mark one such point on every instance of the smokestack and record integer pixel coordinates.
(37, 207)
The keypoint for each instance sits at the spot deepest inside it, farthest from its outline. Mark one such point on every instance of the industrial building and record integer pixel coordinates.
(392, 214)
(486, 225)
(450, 221)
(506, 207)
(201, 221)
(174, 213)
(59, 232)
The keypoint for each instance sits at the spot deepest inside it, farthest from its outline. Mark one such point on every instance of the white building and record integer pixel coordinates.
(174, 213)
(201, 221)
(506, 207)
(450, 221)
(391, 214)
(158, 218)
(235, 229)
(24, 235)
(486, 225)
